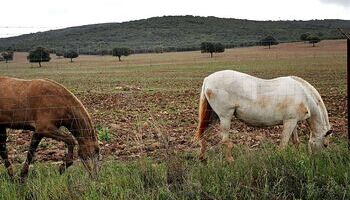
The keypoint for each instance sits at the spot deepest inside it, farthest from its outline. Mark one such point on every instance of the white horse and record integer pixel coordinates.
(259, 102)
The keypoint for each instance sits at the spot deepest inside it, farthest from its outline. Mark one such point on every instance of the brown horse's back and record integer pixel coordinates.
(26, 103)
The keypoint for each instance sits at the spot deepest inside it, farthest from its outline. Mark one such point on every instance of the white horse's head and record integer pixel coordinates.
(319, 142)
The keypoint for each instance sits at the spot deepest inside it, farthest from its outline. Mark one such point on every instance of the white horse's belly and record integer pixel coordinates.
(257, 116)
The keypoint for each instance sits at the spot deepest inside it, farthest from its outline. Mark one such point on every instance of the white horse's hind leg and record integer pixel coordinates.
(295, 138)
(225, 123)
(203, 144)
(288, 128)
(218, 100)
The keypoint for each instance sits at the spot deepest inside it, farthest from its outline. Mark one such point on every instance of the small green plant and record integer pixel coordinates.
(103, 133)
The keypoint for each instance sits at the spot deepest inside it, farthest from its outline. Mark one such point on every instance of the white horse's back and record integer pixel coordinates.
(256, 101)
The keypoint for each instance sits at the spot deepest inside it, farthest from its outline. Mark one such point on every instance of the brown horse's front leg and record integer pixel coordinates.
(36, 138)
(3, 152)
(69, 158)
(70, 142)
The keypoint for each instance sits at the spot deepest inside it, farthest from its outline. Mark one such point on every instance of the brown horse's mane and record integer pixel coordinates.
(81, 114)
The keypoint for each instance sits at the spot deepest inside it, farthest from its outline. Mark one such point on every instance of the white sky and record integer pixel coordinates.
(41, 15)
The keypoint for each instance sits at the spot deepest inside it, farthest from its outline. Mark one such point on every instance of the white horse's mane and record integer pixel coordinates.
(315, 96)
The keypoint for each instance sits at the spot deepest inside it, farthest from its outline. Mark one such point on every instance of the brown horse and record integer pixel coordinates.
(43, 106)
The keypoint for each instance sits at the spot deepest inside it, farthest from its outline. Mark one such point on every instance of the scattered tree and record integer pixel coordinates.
(7, 55)
(71, 54)
(38, 55)
(313, 40)
(209, 47)
(304, 36)
(119, 52)
(268, 41)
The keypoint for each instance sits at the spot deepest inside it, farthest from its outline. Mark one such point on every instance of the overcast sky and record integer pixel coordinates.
(26, 16)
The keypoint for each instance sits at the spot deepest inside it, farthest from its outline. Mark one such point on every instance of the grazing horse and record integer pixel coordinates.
(259, 102)
(43, 106)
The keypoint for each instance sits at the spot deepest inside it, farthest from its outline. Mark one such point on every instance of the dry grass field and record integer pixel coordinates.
(149, 102)
(148, 96)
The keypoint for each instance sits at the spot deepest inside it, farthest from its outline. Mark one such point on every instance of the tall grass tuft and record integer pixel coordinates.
(103, 133)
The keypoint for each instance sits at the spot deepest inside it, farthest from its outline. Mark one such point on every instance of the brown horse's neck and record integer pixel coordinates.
(81, 126)
(80, 123)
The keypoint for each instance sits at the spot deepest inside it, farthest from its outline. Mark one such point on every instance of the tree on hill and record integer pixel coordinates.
(209, 47)
(7, 55)
(39, 55)
(268, 41)
(71, 54)
(119, 52)
(313, 40)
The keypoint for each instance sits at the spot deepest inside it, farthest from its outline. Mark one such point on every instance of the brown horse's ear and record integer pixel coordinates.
(330, 132)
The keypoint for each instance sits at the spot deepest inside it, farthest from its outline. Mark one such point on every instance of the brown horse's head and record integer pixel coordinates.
(89, 153)
(83, 130)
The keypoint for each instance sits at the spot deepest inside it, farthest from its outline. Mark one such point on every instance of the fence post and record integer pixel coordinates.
(348, 86)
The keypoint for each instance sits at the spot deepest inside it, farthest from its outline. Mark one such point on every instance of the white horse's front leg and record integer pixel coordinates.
(288, 128)
(295, 138)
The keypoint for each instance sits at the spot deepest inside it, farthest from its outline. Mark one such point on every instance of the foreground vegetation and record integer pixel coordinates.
(256, 174)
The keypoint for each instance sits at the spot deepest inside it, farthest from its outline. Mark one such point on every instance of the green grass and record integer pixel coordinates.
(266, 173)
(103, 133)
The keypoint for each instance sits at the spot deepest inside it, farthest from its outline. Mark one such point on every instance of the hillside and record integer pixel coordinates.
(171, 33)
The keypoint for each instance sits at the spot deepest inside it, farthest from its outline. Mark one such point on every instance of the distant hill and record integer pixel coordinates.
(171, 33)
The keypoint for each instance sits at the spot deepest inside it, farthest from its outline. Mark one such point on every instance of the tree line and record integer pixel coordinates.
(41, 54)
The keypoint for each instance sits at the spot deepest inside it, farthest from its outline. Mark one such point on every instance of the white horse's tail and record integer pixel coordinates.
(204, 114)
